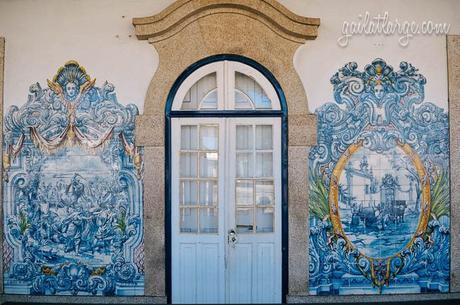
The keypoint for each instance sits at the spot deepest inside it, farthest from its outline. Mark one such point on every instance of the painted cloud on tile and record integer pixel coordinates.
(72, 191)
(379, 187)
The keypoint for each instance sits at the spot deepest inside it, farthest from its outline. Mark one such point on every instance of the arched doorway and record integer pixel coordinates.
(226, 195)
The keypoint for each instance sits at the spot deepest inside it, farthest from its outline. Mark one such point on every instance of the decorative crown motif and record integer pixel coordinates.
(379, 106)
(71, 112)
(75, 75)
(352, 86)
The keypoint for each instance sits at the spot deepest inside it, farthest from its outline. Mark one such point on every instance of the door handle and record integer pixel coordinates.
(232, 238)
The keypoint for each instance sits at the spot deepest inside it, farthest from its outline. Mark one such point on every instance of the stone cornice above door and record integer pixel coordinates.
(189, 31)
(184, 12)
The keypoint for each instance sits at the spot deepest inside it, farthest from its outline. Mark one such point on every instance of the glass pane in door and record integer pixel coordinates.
(188, 193)
(265, 192)
(209, 137)
(264, 219)
(244, 192)
(188, 220)
(264, 137)
(189, 137)
(208, 164)
(244, 220)
(208, 192)
(208, 220)
(188, 164)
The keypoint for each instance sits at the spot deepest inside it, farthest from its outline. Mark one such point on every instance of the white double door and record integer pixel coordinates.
(226, 210)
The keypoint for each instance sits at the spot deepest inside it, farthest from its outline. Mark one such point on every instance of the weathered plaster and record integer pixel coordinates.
(147, 132)
(190, 30)
(453, 57)
(302, 129)
(154, 235)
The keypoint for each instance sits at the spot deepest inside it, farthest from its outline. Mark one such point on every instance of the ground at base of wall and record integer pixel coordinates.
(431, 302)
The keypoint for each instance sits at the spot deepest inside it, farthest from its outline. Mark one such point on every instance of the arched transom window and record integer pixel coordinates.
(226, 85)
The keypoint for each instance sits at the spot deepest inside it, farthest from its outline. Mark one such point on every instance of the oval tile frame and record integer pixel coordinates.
(334, 192)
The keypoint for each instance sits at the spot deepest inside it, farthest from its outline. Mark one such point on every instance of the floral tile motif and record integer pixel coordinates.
(379, 187)
(72, 191)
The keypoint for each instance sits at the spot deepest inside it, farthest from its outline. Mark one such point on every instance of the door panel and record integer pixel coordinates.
(226, 177)
(186, 279)
(209, 288)
(197, 260)
(240, 273)
(264, 290)
(254, 210)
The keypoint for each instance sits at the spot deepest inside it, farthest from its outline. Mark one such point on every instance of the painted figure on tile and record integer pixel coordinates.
(71, 91)
(71, 81)
(379, 190)
(73, 185)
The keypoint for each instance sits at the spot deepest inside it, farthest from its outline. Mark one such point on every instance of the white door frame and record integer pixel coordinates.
(279, 111)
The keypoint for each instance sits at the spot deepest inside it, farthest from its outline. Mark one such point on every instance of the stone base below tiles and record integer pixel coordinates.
(81, 299)
(378, 299)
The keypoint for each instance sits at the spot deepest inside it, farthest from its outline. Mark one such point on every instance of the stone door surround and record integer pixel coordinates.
(188, 31)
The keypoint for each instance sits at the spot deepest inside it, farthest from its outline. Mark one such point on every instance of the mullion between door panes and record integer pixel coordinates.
(264, 208)
(205, 178)
(262, 149)
(187, 207)
(198, 207)
(254, 168)
(244, 182)
(197, 199)
(254, 207)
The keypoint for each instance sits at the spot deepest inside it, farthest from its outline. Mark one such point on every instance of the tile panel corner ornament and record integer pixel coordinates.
(379, 188)
(72, 197)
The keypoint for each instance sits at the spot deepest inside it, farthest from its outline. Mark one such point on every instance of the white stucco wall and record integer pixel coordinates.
(42, 35)
(318, 60)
